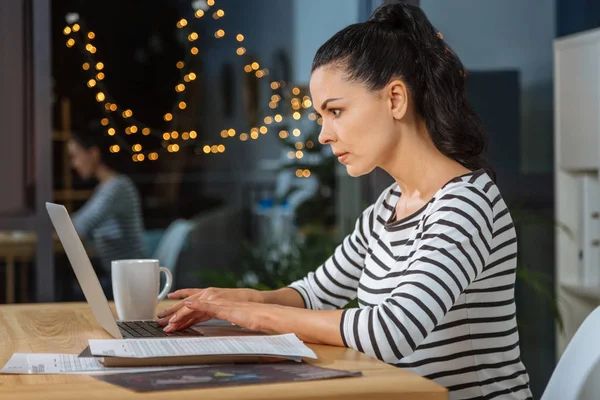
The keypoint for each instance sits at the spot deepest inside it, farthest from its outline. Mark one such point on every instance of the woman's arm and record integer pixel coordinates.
(284, 297)
(311, 326)
(321, 327)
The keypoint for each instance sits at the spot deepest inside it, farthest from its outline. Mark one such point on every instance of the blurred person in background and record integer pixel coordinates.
(111, 220)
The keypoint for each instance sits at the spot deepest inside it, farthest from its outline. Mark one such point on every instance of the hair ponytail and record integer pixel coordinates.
(398, 41)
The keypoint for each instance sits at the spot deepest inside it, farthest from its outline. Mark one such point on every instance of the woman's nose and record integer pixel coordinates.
(326, 136)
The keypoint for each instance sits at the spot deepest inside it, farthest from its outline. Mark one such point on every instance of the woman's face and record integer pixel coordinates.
(84, 161)
(358, 124)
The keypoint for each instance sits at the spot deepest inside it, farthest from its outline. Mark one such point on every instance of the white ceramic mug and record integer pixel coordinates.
(135, 286)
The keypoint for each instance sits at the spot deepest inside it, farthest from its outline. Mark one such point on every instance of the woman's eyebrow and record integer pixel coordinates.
(329, 100)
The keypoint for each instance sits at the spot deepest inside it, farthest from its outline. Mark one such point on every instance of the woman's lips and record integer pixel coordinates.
(342, 156)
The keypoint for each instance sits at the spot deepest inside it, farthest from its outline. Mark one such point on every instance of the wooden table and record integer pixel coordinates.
(66, 327)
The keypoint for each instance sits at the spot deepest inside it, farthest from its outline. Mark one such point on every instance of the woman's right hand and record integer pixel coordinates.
(184, 317)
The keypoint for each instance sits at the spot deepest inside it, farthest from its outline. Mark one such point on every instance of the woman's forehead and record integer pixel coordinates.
(330, 82)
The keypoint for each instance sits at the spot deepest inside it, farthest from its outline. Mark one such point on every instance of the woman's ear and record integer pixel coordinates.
(398, 95)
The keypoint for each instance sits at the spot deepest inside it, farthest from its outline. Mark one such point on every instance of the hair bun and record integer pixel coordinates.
(397, 15)
(409, 20)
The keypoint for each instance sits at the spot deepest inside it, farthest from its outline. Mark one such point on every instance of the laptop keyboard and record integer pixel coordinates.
(150, 329)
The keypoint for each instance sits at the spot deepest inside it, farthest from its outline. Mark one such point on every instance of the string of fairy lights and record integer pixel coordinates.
(117, 116)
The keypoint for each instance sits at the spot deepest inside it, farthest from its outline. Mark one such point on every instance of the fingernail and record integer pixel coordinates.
(173, 318)
(160, 315)
(188, 303)
(166, 328)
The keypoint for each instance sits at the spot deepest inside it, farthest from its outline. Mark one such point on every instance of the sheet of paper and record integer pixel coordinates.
(33, 363)
(287, 345)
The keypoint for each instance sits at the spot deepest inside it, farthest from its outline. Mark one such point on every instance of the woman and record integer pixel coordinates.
(112, 217)
(433, 261)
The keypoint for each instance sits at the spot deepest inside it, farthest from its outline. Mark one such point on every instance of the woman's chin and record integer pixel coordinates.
(355, 172)
(86, 176)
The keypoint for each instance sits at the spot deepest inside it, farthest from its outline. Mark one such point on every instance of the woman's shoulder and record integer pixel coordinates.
(121, 180)
(476, 184)
(121, 184)
(469, 193)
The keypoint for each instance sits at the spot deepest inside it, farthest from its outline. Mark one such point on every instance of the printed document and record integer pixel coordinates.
(33, 363)
(287, 345)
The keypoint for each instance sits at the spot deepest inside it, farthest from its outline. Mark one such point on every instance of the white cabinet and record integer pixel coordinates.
(577, 97)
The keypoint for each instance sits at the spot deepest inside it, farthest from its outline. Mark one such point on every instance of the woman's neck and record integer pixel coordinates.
(418, 167)
(104, 174)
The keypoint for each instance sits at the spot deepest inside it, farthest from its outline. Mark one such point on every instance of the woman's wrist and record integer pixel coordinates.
(257, 296)
(268, 318)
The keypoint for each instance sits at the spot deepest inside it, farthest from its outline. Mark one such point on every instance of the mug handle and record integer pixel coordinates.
(168, 283)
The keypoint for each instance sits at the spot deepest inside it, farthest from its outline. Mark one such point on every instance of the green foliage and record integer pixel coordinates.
(540, 283)
(272, 266)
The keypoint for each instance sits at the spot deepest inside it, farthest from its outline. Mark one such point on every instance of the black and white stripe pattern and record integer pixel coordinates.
(112, 219)
(435, 290)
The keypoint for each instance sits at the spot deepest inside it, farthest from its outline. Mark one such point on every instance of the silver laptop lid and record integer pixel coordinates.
(80, 262)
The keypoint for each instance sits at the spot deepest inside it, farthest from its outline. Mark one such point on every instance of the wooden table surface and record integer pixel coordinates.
(66, 327)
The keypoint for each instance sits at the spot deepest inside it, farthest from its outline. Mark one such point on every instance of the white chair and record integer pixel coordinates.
(577, 374)
(171, 244)
(214, 246)
(591, 388)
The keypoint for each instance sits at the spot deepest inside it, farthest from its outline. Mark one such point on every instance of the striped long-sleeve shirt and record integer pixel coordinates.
(112, 219)
(435, 289)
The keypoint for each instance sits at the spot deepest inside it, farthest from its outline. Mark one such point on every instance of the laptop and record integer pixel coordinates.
(87, 278)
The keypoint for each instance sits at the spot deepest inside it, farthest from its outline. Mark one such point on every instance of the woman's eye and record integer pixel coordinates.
(336, 113)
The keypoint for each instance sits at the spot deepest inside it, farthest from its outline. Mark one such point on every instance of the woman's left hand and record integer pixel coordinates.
(244, 314)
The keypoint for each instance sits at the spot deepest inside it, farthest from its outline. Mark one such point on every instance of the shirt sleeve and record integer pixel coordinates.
(452, 252)
(103, 203)
(335, 282)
